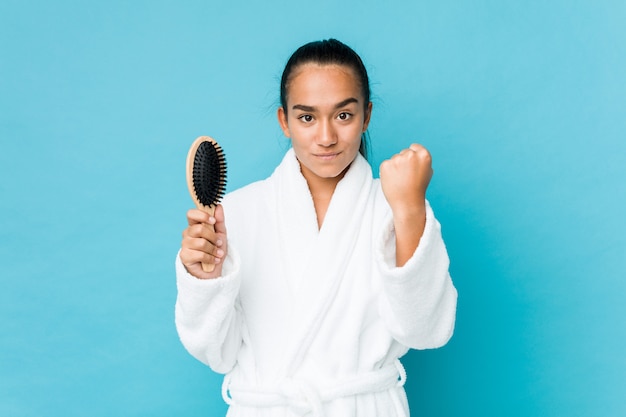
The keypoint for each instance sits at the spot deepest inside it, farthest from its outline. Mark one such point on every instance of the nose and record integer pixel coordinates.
(327, 136)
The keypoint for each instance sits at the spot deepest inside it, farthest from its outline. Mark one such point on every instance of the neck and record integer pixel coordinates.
(322, 190)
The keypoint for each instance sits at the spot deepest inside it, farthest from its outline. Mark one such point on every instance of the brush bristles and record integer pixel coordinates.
(209, 173)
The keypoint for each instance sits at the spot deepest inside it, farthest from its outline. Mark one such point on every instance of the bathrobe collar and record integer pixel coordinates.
(316, 259)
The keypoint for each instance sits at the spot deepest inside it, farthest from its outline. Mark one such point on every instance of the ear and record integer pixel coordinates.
(282, 121)
(368, 115)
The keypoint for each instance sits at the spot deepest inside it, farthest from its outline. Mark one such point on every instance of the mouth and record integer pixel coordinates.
(326, 156)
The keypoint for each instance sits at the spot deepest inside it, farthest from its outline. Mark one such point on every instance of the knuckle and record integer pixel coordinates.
(190, 232)
(186, 242)
(196, 244)
(187, 256)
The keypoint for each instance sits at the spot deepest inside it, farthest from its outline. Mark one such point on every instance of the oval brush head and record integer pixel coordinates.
(206, 176)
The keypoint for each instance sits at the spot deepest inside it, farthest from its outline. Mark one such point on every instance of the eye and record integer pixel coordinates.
(306, 118)
(344, 116)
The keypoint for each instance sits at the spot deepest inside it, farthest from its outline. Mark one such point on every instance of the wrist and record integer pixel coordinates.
(409, 211)
(409, 223)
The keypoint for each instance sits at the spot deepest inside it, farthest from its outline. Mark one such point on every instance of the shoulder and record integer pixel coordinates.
(240, 202)
(249, 206)
(258, 194)
(245, 193)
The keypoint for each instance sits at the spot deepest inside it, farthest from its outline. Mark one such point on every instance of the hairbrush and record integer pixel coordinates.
(206, 177)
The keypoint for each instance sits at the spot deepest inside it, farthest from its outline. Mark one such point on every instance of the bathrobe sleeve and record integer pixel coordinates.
(208, 314)
(418, 300)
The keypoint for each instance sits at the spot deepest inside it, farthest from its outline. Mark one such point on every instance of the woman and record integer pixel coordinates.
(324, 275)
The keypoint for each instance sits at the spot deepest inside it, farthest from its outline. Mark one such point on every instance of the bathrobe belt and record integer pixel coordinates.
(304, 397)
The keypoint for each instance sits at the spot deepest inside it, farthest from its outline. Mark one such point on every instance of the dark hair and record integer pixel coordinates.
(327, 52)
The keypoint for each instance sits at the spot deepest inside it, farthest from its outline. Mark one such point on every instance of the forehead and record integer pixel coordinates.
(319, 82)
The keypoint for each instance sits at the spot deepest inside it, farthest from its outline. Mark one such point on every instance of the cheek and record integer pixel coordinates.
(297, 135)
(354, 133)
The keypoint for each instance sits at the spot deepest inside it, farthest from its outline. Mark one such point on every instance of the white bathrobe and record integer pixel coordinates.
(308, 321)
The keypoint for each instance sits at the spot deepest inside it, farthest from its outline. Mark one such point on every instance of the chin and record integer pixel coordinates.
(340, 172)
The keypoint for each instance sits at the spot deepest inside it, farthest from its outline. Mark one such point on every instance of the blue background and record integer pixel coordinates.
(522, 104)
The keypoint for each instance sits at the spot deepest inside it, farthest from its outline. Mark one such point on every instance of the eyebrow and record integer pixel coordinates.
(337, 106)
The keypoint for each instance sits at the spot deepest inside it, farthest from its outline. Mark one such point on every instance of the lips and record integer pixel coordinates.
(329, 155)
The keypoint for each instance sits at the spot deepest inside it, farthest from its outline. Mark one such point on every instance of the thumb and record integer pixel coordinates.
(220, 225)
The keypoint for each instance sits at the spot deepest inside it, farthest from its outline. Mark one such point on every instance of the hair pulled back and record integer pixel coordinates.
(327, 52)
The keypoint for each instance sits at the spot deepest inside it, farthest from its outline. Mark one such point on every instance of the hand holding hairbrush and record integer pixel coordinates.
(206, 177)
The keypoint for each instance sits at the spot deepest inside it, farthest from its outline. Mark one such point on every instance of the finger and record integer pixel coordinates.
(418, 155)
(421, 151)
(195, 216)
(196, 245)
(191, 258)
(200, 230)
(195, 230)
(416, 147)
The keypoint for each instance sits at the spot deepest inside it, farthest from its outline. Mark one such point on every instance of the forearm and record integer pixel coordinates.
(409, 226)
(418, 301)
(404, 179)
(208, 319)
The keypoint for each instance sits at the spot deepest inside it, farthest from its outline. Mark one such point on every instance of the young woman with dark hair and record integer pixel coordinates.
(324, 276)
